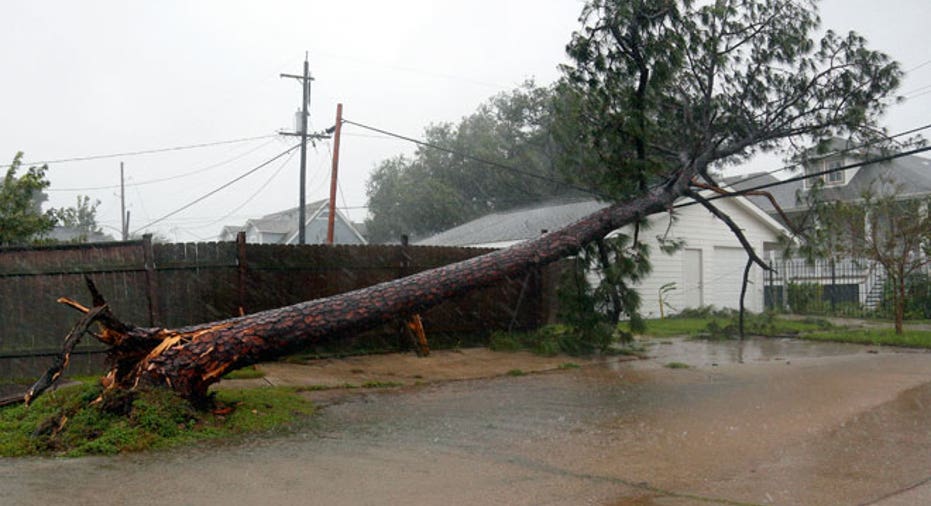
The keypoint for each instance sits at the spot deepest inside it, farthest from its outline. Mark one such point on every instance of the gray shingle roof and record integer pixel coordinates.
(514, 225)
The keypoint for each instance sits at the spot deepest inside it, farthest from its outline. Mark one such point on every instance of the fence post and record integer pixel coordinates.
(241, 267)
(151, 283)
(833, 287)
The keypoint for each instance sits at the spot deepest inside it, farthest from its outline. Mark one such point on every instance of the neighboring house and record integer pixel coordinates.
(911, 174)
(707, 271)
(75, 235)
(848, 280)
(282, 227)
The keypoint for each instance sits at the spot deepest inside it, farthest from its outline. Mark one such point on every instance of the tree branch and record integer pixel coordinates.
(731, 225)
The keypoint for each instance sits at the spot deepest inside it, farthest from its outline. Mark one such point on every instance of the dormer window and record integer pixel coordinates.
(836, 178)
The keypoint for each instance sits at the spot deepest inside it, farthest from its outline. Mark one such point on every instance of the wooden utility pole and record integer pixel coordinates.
(331, 219)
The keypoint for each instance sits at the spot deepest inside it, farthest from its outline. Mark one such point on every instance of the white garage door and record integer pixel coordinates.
(723, 289)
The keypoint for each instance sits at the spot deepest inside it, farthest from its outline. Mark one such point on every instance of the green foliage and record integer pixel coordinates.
(21, 217)
(551, 340)
(516, 372)
(655, 83)
(153, 418)
(917, 298)
(677, 365)
(438, 189)
(82, 217)
(883, 226)
(805, 298)
(617, 264)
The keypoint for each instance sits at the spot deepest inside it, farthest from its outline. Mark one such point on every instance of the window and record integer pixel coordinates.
(834, 178)
(830, 179)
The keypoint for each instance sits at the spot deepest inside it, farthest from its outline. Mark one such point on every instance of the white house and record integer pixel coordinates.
(707, 271)
(282, 227)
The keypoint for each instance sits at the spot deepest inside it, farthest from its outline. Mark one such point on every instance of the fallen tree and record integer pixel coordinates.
(660, 91)
(190, 359)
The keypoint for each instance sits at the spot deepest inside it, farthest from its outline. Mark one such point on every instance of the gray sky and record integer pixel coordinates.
(99, 77)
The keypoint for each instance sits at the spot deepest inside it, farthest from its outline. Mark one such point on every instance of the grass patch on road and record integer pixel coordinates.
(63, 423)
(251, 372)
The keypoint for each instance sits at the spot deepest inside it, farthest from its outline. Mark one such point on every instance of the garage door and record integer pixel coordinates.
(723, 289)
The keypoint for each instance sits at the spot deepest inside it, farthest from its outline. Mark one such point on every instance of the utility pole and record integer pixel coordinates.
(124, 215)
(331, 219)
(302, 212)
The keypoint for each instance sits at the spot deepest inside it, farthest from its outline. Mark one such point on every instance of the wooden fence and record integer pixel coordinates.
(172, 285)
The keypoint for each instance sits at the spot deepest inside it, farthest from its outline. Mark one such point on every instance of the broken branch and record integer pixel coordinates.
(61, 362)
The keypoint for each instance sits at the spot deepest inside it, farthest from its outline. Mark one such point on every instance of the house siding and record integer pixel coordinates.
(722, 259)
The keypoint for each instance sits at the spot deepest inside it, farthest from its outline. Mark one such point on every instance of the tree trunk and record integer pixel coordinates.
(899, 300)
(190, 359)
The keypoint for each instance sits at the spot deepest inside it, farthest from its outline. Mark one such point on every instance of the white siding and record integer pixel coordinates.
(721, 257)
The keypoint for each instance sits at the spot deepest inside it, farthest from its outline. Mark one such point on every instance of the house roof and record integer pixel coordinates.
(910, 174)
(528, 223)
(784, 194)
(285, 223)
(515, 225)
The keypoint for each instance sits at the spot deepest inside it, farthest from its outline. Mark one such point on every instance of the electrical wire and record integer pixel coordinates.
(479, 160)
(256, 193)
(803, 177)
(144, 152)
(842, 151)
(170, 178)
(222, 187)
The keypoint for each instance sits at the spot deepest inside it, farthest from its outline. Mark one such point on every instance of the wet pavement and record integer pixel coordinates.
(765, 422)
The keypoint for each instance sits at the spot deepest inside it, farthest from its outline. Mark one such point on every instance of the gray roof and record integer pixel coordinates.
(784, 194)
(73, 234)
(515, 225)
(911, 174)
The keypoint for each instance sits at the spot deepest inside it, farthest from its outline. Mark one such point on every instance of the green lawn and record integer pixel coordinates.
(885, 337)
(809, 328)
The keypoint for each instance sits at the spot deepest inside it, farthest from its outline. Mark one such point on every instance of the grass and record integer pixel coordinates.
(669, 327)
(152, 419)
(252, 372)
(516, 372)
(726, 326)
(677, 365)
(876, 337)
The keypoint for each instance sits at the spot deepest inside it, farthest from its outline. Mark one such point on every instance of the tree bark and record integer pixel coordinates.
(190, 359)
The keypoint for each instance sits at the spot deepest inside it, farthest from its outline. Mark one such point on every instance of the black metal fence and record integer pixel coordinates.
(848, 287)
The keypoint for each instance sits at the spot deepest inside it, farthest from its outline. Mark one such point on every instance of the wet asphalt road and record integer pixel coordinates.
(776, 422)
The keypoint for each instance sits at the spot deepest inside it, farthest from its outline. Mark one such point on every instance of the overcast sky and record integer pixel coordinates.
(99, 77)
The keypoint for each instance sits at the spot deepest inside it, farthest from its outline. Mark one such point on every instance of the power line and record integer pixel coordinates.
(803, 177)
(226, 185)
(258, 191)
(170, 178)
(479, 160)
(842, 151)
(144, 152)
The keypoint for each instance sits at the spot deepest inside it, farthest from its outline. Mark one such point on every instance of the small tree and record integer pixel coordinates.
(82, 217)
(882, 226)
(21, 217)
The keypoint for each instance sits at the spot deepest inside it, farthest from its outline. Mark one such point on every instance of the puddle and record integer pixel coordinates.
(704, 353)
